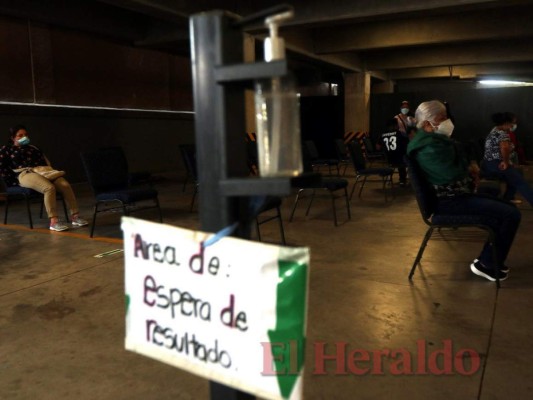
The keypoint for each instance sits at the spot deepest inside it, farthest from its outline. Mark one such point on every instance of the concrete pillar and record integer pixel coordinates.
(356, 102)
(249, 56)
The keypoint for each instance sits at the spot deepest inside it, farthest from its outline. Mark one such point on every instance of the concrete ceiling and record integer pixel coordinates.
(396, 40)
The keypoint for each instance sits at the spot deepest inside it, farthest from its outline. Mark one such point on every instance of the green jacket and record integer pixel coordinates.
(441, 159)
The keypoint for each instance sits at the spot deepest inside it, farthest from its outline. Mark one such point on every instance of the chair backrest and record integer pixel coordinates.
(424, 191)
(307, 160)
(312, 151)
(356, 155)
(340, 148)
(106, 169)
(369, 146)
(188, 155)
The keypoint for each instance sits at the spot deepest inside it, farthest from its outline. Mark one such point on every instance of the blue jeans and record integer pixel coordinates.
(513, 178)
(502, 217)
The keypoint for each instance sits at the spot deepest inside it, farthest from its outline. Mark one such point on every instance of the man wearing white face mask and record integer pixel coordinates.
(404, 119)
(444, 165)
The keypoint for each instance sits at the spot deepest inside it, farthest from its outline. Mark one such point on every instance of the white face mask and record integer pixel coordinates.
(404, 110)
(513, 128)
(444, 128)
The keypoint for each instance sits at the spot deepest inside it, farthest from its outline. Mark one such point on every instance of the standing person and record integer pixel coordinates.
(444, 166)
(405, 119)
(395, 145)
(518, 157)
(497, 159)
(18, 159)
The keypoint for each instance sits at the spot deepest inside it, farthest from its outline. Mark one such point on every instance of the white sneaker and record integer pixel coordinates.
(79, 222)
(58, 226)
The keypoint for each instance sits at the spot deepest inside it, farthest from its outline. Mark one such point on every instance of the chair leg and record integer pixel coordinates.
(354, 185)
(347, 203)
(29, 210)
(281, 230)
(310, 203)
(295, 204)
(362, 186)
(392, 191)
(94, 220)
(193, 198)
(421, 251)
(334, 209)
(257, 229)
(6, 209)
(65, 209)
(495, 259)
(159, 209)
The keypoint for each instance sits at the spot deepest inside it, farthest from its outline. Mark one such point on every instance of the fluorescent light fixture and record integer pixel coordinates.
(503, 83)
(65, 106)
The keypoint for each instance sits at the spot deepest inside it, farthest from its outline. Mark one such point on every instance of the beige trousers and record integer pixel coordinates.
(49, 189)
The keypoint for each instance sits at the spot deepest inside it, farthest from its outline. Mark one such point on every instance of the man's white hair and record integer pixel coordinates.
(427, 111)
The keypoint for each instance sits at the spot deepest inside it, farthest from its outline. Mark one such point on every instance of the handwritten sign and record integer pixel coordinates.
(233, 312)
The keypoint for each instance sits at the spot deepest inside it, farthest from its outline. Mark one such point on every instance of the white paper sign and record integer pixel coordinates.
(233, 312)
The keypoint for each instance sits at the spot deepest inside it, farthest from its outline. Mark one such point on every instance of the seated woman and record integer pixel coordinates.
(453, 178)
(18, 158)
(497, 158)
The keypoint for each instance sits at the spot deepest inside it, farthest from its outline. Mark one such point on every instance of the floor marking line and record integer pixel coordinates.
(64, 233)
(108, 253)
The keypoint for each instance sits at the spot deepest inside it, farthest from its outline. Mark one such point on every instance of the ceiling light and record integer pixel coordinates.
(503, 83)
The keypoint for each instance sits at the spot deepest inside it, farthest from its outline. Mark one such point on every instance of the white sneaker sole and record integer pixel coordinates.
(59, 229)
(80, 224)
(484, 275)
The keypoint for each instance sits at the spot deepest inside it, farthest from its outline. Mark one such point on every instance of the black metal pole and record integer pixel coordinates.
(219, 130)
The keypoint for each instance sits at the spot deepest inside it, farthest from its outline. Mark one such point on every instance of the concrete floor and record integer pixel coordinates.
(62, 310)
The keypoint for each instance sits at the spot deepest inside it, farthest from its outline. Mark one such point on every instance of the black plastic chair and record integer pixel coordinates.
(108, 177)
(134, 178)
(342, 155)
(270, 203)
(427, 200)
(361, 171)
(371, 153)
(316, 161)
(16, 193)
(332, 185)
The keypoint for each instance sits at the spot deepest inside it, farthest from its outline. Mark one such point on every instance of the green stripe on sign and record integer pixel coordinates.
(288, 339)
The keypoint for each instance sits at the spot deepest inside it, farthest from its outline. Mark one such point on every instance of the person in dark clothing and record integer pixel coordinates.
(18, 165)
(394, 143)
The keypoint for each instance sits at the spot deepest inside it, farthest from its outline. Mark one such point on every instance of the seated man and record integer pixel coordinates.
(444, 166)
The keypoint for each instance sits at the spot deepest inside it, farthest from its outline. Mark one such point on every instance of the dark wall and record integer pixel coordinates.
(150, 139)
(471, 109)
(322, 120)
(47, 65)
